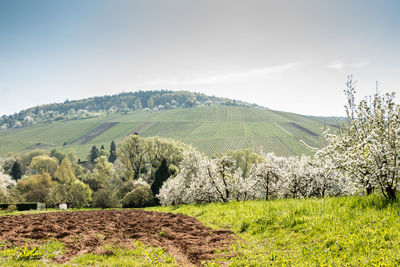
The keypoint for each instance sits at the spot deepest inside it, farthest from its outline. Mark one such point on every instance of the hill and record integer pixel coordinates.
(111, 104)
(212, 128)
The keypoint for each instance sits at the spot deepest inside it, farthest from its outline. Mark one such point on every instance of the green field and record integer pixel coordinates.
(211, 129)
(344, 231)
(341, 231)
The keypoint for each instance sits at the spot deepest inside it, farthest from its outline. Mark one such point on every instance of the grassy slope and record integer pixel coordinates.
(212, 130)
(352, 231)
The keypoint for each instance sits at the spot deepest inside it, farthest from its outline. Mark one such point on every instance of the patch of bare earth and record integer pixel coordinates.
(94, 133)
(141, 127)
(184, 237)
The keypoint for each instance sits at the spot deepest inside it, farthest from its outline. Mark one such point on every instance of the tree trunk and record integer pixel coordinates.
(391, 194)
(369, 189)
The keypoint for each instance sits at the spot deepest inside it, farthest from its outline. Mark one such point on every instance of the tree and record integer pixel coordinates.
(58, 155)
(367, 147)
(113, 152)
(137, 104)
(73, 158)
(188, 186)
(101, 174)
(132, 153)
(265, 179)
(16, 170)
(79, 194)
(27, 158)
(42, 164)
(93, 154)
(103, 152)
(138, 155)
(203, 180)
(6, 182)
(244, 159)
(37, 188)
(65, 173)
(161, 175)
(150, 103)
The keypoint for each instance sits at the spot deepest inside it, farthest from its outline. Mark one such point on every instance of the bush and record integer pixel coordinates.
(106, 198)
(139, 197)
(18, 206)
(11, 208)
(80, 194)
(37, 188)
(26, 206)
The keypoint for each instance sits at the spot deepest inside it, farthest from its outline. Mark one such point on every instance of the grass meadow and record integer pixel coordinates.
(342, 231)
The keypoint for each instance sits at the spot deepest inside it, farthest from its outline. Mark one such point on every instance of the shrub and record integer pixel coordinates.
(36, 188)
(80, 194)
(106, 198)
(139, 197)
(26, 206)
(11, 208)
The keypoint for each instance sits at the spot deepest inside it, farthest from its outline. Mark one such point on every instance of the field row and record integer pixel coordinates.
(281, 147)
(213, 130)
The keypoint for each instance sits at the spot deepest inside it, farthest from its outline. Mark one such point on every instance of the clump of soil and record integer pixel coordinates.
(184, 237)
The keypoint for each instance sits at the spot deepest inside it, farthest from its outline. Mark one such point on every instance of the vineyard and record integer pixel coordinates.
(211, 129)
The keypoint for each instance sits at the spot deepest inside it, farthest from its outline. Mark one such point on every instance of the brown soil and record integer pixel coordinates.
(303, 129)
(141, 127)
(94, 133)
(184, 237)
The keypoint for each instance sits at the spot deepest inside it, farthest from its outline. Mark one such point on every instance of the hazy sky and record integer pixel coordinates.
(285, 55)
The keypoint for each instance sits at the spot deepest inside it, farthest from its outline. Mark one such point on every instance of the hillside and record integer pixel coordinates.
(212, 129)
(110, 104)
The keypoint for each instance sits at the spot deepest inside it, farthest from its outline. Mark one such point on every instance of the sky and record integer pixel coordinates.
(285, 55)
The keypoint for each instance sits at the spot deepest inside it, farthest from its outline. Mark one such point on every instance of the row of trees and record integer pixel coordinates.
(204, 180)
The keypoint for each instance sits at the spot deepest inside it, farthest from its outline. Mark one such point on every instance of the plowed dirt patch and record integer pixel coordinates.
(183, 237)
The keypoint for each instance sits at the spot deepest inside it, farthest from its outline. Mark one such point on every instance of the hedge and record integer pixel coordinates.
(21, 206)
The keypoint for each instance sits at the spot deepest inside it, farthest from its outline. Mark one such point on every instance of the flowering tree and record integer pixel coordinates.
(203, 180)
(265, 178)
(6, 182)
(187, 186)
(367, 146)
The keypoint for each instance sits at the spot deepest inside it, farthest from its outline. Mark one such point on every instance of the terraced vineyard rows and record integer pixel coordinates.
(212, 129)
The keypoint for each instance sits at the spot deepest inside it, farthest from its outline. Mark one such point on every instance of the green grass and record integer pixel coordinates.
(341, 231)
(352, 231)
(139, 255)
(212, 130)
(21, 256)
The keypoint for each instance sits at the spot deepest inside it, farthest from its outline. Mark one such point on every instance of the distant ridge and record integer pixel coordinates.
(110, 104)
